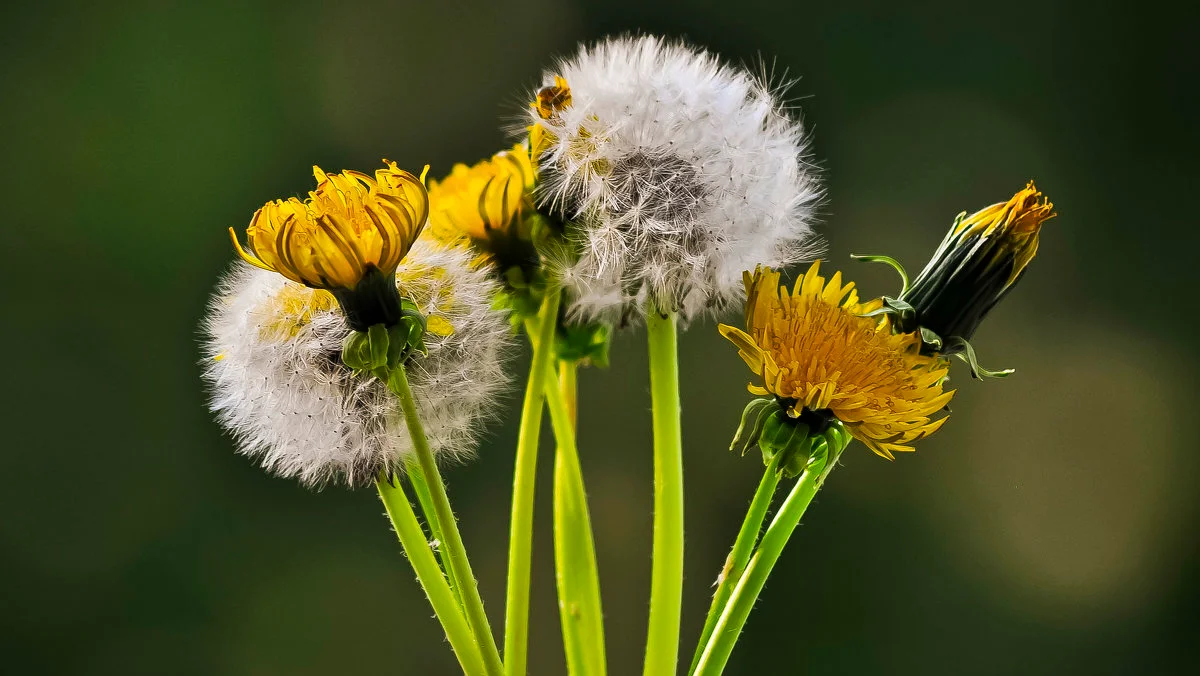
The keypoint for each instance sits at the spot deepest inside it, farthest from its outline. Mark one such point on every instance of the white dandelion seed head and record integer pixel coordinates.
(679, 172)
(273, 362)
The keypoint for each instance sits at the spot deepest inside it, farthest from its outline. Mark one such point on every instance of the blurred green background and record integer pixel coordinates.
(1050, 528)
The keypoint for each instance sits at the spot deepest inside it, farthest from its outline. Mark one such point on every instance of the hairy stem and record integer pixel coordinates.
(733, 618)
(429, 574)
(739, 556)
(452, 547)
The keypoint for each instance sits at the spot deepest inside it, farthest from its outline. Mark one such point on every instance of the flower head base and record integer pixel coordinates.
(672, 173)
(821, 360)
(348, 237)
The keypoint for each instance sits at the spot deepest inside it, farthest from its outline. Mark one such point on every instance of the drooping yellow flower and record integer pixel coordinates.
(981, 258)
(350, 225)
(816, 353)
(485, 200)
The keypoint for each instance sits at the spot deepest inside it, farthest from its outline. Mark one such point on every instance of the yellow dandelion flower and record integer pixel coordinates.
(347, 237)
(483, 201)
(981, 258)
(818, 356)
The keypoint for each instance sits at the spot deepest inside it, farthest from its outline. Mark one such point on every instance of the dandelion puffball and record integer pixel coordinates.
(674, 172)
(273, 362)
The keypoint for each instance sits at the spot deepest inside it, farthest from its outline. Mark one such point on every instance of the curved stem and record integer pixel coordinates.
(666, 580)
(743, 547)
(576, 573)
(733, 618)
(452, 546)
(429, 574)
(435, 529)
(520, 542)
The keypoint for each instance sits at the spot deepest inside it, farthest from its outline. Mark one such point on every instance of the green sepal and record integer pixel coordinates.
(887, 260)
(751, 424)
(962, 349)
(782, 434)
(905, 314)
(585, 344)
(380, 348)
(930, 340)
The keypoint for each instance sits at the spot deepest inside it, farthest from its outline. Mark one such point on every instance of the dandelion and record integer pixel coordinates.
(978, 263)
(822, 361)
(280, 387)
(673, 173)
(347, 238)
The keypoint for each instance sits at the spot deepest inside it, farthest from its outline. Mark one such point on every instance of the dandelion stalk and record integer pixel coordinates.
(452, 546)
(425, 499)
(576, 572)
(520, 547)
(666, 581)
(729, 627)
(739, 557)
(429, 574)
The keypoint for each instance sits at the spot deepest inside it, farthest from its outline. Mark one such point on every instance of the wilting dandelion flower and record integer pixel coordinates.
(822, 360)
(274, 365)
(348, 237)
(673, 173)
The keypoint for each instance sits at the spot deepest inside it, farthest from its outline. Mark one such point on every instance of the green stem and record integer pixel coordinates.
(520, 542)
(575, 567)
(666, 579)
(429, 574)
(733, 618)
(452, 545)
(435, 529)
(743, 547)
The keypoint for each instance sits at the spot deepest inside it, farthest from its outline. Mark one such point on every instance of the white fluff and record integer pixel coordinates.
(680, 172)
(272, 359)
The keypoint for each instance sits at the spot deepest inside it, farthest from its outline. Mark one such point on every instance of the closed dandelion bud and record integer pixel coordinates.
(978, 263)
(672, 173)
(981, 259)
(832, 370)
(347, 238)
(278, 383)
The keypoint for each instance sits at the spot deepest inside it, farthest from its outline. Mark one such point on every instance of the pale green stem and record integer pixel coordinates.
(666, 579)
(520, 542)
(435, 529)
(575, 567)
(452, 546)
(743, 547)
(733, 618)
(429, 574)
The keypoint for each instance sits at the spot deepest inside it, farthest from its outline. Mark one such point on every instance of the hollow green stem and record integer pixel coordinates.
(421, 489)
(520, 543)
(429, 574)
(452, 545)
(575, 567)
(733, 618)
(666, 579)
(739, 556)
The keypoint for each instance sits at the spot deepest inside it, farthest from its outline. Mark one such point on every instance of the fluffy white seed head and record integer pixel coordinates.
(273, 363)
(678, 171)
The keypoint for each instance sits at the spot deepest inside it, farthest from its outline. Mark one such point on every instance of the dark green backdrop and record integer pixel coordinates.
(1050, 528)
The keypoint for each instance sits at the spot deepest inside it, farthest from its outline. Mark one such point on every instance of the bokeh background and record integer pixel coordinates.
(1050, 528)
